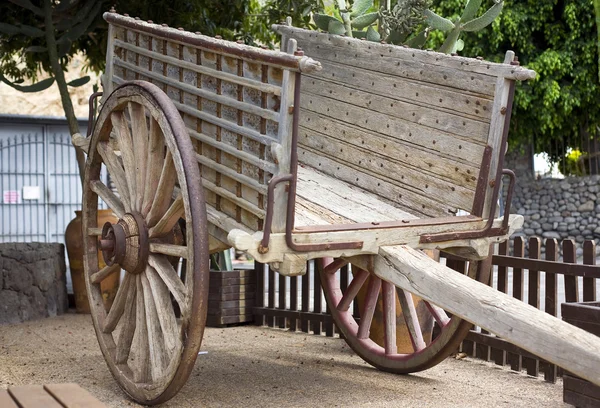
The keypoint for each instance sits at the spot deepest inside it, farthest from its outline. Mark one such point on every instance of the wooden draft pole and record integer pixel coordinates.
(519, 323)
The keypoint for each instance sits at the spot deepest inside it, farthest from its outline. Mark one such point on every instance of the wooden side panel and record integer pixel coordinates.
(232, 108)
(411, 132)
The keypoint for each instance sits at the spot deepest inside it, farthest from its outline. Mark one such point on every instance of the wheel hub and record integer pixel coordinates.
(126, 243)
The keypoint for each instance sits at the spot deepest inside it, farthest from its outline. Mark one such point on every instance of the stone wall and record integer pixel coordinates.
(32, 281)
(559, 208)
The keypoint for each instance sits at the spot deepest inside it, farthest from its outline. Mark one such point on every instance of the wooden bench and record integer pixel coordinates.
(48, 396)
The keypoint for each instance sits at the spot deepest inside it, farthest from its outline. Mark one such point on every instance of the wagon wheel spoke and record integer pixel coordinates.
(115, 169)
(149, 350)
(156, 158)
(389, 317)
(118, 306)
(357, 283)
(334, 266)
(127, 327)
(104, 273)
(170, 278)
(369, 308)
(439, 314)
(156, 343)
(164, 192)
(164, 309)
(113, 202)
(140, 363)
(139, 132)
(126, 147)
(179, 251)
(169, 219)
(412, 320)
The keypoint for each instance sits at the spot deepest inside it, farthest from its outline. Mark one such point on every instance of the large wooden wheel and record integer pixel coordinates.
(141, 139)
(424, 351)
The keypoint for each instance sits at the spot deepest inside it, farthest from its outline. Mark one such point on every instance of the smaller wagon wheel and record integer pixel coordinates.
(386, 357)
(141, 139)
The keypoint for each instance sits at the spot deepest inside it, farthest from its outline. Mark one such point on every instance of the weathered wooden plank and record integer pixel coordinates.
(33, 396)
(344, 200)
(386, 124)
(72, 396)
(6, 401)
(405, 70)
(403, 196)
(426, 57)
(234, 79)
(426, 149)
(210, 44)
(247, 157)
(402, 107)
(430, 185)
(509, 318)
(217, 98)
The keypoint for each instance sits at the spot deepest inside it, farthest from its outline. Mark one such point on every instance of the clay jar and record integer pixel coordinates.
(74, 243)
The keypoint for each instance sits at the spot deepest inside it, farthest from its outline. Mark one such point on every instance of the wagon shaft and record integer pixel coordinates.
(549, 338)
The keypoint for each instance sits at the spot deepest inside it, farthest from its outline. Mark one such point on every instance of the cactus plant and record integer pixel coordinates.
(354, 18)
(399, 23)
(467, 22)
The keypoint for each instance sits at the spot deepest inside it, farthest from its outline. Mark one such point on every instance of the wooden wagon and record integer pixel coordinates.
(212, 144)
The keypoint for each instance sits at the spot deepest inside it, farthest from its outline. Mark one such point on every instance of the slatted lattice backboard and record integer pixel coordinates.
(234, 100)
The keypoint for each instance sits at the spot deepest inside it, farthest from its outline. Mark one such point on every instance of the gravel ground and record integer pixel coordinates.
(252, 366)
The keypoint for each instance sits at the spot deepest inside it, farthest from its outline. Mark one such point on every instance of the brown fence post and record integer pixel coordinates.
(316, 296)
(550, 372)
(571, 282)
(589, 284)
(305, 299)
(533, 297)
(498, 355)
(282, 293)
(271, 319)
(515, 360)
(259, 300)
(293, 302)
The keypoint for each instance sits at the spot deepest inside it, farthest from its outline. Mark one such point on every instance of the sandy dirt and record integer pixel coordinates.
(47, 102)
(253, 366)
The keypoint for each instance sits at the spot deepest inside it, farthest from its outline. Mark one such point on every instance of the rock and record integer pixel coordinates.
(547, 226)
(529, 232)
(9, 307)
(570, 220)
(535, 216)
(561, 228)
(597, 232)
(535, 224)
(586, 207)
(551, 235)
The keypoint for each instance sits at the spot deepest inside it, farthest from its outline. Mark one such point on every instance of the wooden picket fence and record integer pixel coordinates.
(297, 303)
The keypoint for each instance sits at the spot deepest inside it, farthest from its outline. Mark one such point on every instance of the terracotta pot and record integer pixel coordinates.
(74, 243)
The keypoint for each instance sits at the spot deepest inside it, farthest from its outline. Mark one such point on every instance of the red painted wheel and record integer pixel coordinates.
(405, 346)
(149, 346)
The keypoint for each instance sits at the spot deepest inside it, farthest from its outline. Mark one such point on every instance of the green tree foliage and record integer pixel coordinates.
(556, 38)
